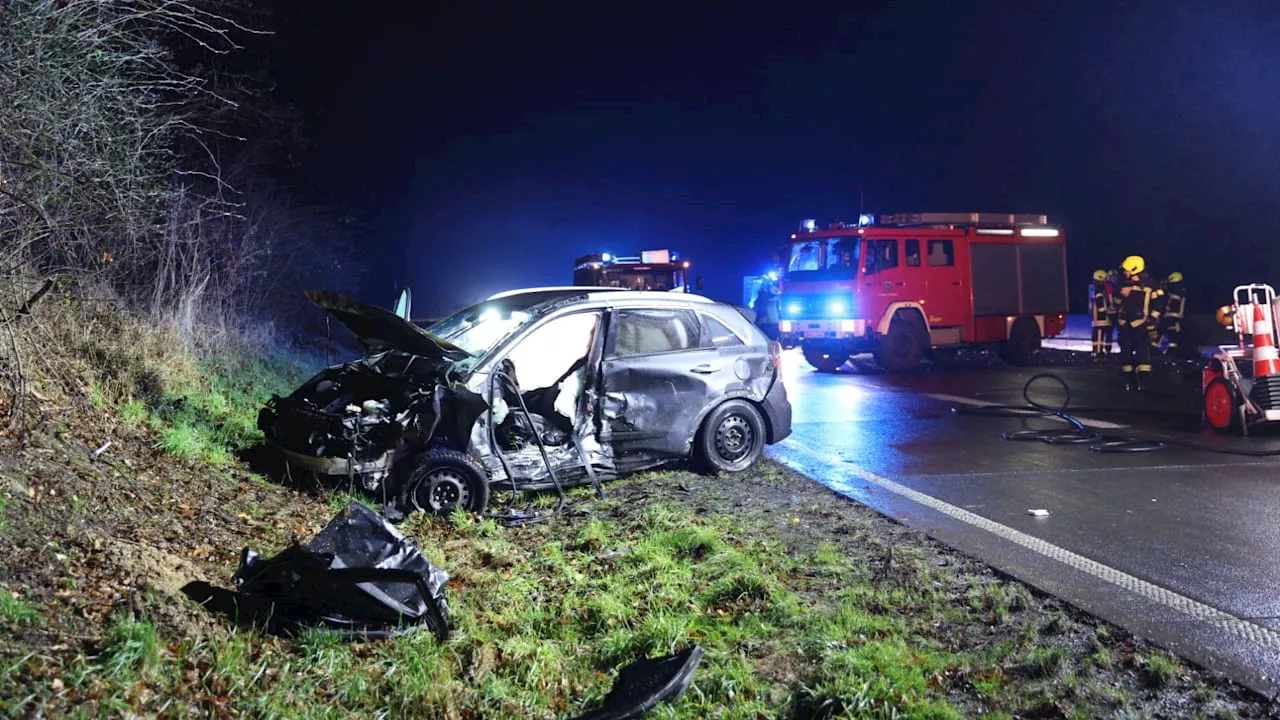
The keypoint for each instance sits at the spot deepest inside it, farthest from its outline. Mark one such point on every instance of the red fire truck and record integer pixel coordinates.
(902, 284)
(661, 270)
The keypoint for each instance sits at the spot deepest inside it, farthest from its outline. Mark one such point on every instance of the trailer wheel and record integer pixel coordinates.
(1222, 406)
(900, 349)
(827, 362)
(1024, 340)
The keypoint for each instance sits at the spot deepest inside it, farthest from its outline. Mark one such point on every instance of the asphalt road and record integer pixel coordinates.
(1180, 545)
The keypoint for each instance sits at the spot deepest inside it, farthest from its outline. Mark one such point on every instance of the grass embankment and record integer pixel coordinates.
(808, 606)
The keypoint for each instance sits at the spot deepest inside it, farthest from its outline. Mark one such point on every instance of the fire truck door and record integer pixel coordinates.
(892, 278)
(945, 286)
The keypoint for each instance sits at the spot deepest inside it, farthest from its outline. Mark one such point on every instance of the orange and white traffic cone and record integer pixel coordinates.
(1266, 360)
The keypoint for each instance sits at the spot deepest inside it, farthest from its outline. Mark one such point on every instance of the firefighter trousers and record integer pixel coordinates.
(1101, 340)
(1135, 349)
(1172, 333)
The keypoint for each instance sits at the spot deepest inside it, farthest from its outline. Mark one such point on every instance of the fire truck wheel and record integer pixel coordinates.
(1024, 340)
(1222, 406)
(731, 438)
(824, 361)
(900, 349)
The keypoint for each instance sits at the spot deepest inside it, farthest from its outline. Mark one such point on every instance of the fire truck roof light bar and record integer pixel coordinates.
(995, 231)
(1039, 232)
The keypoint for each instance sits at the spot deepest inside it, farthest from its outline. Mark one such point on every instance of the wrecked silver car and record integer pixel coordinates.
(532, 390)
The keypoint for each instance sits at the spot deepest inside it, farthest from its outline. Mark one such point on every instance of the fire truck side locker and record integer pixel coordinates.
(1018, 288)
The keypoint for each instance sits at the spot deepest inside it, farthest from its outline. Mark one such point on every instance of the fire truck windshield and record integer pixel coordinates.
(825, 257)
(641, 279)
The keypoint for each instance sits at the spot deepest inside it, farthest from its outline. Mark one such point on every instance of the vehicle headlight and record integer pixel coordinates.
(794, 308)
(785, 326)
(1226, 316)
(837, 307)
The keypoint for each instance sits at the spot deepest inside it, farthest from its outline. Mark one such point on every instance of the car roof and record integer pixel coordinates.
(649, 297)
(554, 289)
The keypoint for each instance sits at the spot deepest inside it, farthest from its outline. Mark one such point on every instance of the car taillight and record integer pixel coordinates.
(775, 353)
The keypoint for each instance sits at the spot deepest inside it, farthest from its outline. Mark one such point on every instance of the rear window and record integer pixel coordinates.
(717, 334)
(646, 332)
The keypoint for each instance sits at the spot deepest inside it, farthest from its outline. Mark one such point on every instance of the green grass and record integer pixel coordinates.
(15, 611)
(208, 416)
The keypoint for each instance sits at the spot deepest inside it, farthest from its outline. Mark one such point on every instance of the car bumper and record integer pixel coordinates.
(332, 465)
(777, 410)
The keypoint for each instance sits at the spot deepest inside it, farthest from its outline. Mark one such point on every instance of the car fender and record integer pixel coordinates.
(882, 327)
(701, 417)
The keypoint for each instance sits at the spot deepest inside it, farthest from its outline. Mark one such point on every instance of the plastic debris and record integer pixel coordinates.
(359, 577)
(1038, 512)
(645, 683)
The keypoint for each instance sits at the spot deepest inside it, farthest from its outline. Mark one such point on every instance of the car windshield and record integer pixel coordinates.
(479, 328)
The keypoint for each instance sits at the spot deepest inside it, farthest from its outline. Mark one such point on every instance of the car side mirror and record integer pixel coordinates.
(698, 283)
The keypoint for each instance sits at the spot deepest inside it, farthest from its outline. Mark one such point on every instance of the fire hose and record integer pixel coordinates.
(1077, 434)
(1081, 434)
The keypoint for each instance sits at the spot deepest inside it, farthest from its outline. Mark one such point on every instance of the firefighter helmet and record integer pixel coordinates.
(1133, 265)
(1099, 275)
(1175, 277)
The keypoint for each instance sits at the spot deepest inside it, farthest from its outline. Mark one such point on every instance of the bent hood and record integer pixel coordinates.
(381, 329)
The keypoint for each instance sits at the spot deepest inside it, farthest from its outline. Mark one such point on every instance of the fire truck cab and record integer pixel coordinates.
(902, 284)
(660, 270)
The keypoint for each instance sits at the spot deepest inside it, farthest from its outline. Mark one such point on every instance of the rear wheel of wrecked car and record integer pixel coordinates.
(731, 438)
(446, 479)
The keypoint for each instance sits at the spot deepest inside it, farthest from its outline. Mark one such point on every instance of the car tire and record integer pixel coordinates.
(731, 438)
(1024, 340)
(445, 479)
(902, 347)
(1222, 407)
(827, 362)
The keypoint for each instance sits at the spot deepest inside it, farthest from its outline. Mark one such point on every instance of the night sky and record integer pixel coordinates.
(493, 143)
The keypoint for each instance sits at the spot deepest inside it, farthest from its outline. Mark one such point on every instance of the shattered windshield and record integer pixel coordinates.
(479, 328)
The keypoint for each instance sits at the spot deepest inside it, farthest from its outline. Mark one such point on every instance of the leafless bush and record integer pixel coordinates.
(118, 169)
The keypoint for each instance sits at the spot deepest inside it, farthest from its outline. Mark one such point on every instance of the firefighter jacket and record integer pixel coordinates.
(1099, 305)
(1137, 302)
(1175, 301)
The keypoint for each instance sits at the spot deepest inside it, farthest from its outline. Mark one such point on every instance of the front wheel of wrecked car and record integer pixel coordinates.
(446, 479)
(731, 438)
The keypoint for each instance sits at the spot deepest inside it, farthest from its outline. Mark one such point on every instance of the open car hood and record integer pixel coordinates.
(381, 329)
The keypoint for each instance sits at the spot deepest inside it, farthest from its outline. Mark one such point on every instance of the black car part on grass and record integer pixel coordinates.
(645, 683)
(359, 577)
(1080, 434)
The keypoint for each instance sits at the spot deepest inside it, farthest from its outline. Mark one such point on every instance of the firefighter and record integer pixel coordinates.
(1137, 307)
(1175, 306)
(1100, 314)
(766, 306)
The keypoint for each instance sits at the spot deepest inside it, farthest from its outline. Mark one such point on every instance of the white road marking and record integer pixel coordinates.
(1100, 424)
(1251, 632)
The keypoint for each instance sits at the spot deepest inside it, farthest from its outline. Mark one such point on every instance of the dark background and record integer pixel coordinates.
(489, 144)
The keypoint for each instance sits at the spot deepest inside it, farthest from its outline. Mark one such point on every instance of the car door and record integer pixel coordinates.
(656, 378)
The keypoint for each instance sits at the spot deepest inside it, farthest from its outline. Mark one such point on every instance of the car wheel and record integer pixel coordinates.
(447, 479)
(900, 349)
(824, 361)
(1024, 340)
(731, 438)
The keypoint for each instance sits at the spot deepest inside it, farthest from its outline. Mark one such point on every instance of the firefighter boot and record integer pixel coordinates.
(1126, 372)
(1144, 378)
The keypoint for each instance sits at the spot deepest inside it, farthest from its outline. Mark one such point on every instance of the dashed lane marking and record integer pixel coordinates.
(1100, 424)
(1250, 632)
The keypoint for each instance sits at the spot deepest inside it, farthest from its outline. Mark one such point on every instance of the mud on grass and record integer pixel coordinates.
(809, 606)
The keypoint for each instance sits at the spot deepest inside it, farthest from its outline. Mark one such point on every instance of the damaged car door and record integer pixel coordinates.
(657, 377)
(552, 366)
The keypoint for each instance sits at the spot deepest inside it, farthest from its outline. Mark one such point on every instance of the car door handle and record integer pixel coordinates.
(900, 284)
(957, 282)
(705, 369)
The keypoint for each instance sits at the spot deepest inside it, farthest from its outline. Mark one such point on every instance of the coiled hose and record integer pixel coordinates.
(1077, 434)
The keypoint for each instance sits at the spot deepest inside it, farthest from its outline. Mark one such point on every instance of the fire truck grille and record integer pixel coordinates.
(817, 307)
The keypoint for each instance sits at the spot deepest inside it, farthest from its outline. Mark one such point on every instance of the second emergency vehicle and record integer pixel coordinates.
(660, 270)
(902, 284)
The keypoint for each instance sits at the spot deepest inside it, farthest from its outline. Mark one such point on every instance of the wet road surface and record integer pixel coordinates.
(1180, 545)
